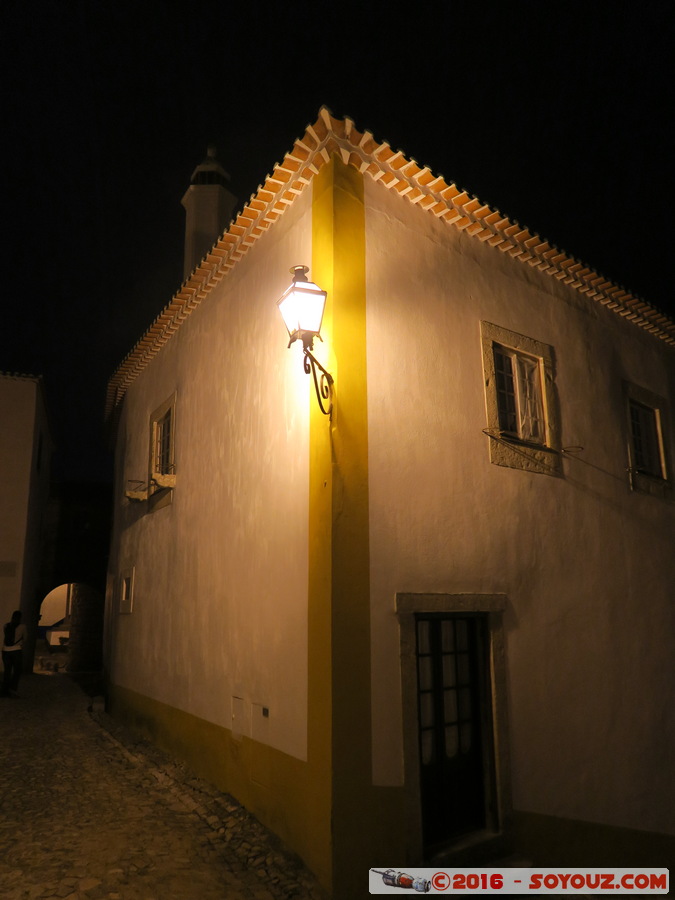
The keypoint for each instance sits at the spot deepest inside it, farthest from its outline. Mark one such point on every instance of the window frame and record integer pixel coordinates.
(162, 455)
(126, 591)
(510, 448)
(641, 480)
(516, 397)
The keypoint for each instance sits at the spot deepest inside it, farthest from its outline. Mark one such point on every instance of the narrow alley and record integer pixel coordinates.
(87, 812)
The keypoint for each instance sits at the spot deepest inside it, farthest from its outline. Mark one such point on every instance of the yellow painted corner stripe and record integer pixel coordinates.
(339, 265)
(319, 701)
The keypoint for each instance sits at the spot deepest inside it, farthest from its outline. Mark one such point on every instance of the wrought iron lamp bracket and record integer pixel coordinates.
(323, 383)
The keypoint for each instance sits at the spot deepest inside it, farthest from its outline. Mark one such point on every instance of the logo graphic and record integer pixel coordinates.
(441, 881)
(400, 879)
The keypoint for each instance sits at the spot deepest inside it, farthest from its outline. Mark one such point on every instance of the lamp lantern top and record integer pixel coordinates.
(301, 306)
(299, 273)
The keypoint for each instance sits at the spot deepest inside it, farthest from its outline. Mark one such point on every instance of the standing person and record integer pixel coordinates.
(12, 657)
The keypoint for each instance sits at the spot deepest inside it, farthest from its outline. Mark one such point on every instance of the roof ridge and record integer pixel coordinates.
(330, 135)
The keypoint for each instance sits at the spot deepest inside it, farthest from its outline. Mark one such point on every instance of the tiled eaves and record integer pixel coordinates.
(419, 186)
(269, 202)
(467, 213)
(20, 376)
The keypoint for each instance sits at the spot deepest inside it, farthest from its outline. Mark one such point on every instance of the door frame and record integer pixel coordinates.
(408, 605)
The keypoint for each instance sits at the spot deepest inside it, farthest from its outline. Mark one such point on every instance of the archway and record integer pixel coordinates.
(70, 630)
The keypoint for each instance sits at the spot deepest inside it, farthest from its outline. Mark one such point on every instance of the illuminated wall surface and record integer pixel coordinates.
(585, 562)
(231, 550)
(261, 639)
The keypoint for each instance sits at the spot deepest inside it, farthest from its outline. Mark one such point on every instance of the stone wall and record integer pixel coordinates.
(86, 629)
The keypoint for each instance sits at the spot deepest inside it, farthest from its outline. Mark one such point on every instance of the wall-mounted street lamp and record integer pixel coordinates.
(301, 306)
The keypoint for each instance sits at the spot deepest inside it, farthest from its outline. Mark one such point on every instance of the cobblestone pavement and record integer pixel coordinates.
(89, 812)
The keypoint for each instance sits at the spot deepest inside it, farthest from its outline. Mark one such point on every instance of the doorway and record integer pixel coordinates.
(454, 727)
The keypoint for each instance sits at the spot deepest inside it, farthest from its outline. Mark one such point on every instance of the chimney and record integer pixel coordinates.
(208, 206)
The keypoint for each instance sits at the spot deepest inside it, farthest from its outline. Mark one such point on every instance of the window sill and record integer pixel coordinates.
(652, 485)
(514, 453)
(522, 442)
(136, 496)
(163, 481)
(160, 498)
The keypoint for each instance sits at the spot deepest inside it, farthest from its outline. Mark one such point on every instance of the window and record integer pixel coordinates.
(126, 592)
(646, 445)
(162, 478)
(162, 454)
(518, 386)
(645, 440)
(521, 402)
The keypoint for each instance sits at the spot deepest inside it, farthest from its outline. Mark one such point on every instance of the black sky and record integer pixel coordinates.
(556, 113)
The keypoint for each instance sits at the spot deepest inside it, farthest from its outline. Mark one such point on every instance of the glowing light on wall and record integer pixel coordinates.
(301, 307)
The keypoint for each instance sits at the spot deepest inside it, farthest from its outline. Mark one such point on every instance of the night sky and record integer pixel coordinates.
(558, 114)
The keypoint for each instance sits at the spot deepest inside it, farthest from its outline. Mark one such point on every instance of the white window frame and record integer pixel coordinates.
(531, 441)
(526, 392)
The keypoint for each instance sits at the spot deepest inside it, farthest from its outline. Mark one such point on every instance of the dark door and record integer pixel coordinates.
(455, 739)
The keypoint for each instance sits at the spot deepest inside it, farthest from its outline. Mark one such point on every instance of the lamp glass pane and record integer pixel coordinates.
(311, 301)
(289, 312)
(302, 307)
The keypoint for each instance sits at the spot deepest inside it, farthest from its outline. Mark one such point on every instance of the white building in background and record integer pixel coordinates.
(55, 610)
(439, 623)
(56, 606)
(25, 457)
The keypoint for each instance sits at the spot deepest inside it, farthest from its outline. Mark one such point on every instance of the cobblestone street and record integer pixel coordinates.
(88, 811)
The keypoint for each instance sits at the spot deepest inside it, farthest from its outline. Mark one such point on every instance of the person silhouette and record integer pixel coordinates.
(14, 635)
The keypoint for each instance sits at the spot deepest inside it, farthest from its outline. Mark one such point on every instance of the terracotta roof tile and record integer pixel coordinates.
(420, 186)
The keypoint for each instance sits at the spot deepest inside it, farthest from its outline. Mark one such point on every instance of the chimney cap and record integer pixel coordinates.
(210, 171)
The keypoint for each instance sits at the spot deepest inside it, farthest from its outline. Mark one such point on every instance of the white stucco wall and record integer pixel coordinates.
(22, 415)
(586, 563)
(220, 592)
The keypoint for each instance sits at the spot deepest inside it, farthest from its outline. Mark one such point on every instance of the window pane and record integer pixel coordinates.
(506, 391)
(450, 706)
(164, 444)
(463, 668)
(425, 673)
(162, 458)
(423, 639)
(462, 635)
(427, 747)
(519, 394)
(449, 671)
(464, 703)
(451, 741)
(426, 710)
(447, 635)
(530, 425)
